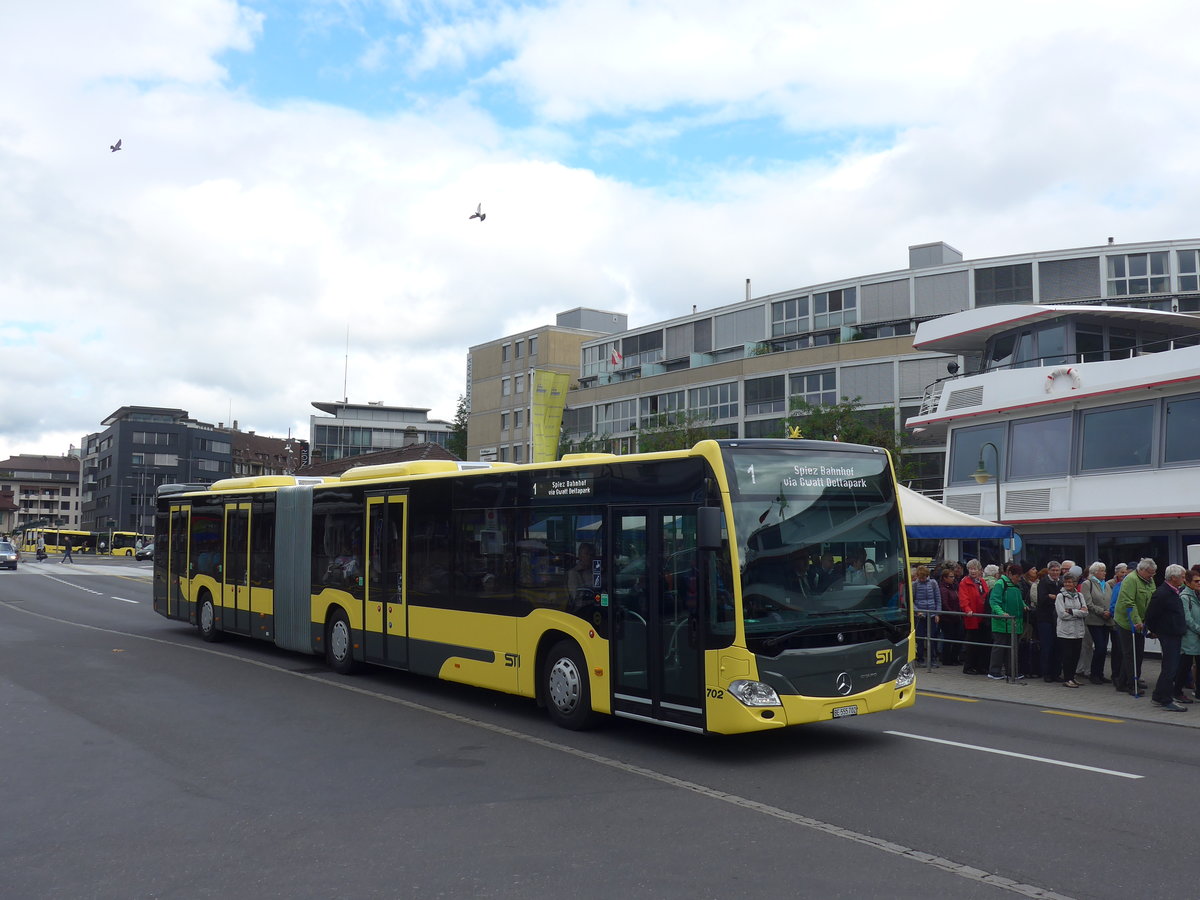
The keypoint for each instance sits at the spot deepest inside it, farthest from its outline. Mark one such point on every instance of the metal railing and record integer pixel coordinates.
(1014, 643)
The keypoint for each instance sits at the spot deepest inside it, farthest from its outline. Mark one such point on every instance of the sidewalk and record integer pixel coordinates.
(1090, 699)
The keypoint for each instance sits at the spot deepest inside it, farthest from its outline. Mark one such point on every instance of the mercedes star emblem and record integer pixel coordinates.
(843, 683)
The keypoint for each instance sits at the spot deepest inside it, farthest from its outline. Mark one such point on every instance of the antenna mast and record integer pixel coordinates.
(346, 370)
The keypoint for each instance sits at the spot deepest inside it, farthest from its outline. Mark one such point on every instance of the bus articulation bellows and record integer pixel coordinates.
(732, 587)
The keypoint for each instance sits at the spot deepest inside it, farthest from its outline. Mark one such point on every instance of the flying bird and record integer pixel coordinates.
(478, 214)
(115, 147)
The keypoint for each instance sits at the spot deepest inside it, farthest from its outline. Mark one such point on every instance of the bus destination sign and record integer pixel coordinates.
(583, 486)
(755, 474)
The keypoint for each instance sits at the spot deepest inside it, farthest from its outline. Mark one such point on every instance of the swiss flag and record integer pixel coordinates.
(616, 357)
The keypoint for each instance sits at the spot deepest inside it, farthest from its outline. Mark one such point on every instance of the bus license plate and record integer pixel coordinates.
(842, 711)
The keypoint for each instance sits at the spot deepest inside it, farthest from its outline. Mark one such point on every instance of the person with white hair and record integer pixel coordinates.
(1129, 613)
(1096, 593)
(1165, 620)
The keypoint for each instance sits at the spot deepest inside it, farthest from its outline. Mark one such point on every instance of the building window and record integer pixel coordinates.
(1138, 273)
(520, 349)
(517, 418)
(766, 428)
(533, 345)
(616, 417)
(663, 409)
(1116, 438)
(505, 350)
(1189, 269)
(835, 308)
(520, 384)
(505, 387)
(715, 401)
(1004, 284)
(766, 395)
(517, 448)
(816, 388)
(504, 421)
(789, 316)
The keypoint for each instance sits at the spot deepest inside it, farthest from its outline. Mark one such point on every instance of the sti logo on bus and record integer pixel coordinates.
(883, 657)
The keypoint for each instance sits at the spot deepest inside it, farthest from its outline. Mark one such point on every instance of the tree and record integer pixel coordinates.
(849, 423)
(673, 431)
(457, 442)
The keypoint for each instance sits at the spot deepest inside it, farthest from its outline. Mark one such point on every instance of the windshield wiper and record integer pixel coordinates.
(894, 632)
(796, 632)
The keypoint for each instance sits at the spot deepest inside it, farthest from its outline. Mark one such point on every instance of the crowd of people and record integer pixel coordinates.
(1069, 623)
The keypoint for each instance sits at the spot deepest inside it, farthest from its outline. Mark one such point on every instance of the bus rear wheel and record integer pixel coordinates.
(339, 644)
(207, 620)
(566, 689)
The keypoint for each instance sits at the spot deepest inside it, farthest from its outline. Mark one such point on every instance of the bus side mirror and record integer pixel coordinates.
(708, 528)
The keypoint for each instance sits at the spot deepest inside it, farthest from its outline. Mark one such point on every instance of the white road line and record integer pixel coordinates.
(1043, 759)
(962, 870)
(123, 600)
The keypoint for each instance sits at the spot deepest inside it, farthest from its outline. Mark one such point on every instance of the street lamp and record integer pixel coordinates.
(981, 474)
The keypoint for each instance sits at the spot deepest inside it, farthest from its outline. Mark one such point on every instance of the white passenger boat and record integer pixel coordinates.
(1092, 414)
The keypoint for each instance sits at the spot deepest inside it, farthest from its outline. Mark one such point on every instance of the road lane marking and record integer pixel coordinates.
(124, 600)
(1044, 759)
(962, 870)
(1075, 715)
(78, 587)
(947, 697)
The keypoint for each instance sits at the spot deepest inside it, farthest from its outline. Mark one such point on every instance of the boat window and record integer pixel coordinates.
(967, 448)
(1183, 430)
(1089, 343)
(1002, 351)
(1040, 447)
(1024, 356)
(1052, 345)
(1116, 438)
(1121, 343)
(1154, 342)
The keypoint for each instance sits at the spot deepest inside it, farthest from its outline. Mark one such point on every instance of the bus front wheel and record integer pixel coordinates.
(339, 648)
(566, 689)
(207, 620)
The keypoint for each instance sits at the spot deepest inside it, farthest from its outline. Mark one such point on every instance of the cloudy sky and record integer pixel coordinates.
(293, 172)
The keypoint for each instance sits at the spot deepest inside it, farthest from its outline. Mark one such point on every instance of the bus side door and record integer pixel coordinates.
(385, 631)
(178, 597)
(657, 648)
(235, 574)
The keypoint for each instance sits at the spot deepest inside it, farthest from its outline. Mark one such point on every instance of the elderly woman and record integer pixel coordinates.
(1190, 595)
(1097, 596)
(972, 598)
(927, 604)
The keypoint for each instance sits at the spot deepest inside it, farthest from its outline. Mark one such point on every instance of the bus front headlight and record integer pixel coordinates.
(907, 675)
(754, 693)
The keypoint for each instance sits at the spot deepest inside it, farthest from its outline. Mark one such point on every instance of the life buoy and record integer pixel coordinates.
(1068, 371)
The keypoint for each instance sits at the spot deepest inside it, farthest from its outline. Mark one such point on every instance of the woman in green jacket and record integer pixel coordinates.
(1005, 599)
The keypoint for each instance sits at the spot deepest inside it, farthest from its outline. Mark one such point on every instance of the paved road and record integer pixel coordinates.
(141, 762)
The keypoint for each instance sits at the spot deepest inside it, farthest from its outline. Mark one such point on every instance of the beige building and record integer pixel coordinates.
(500, 379)
(45, 490)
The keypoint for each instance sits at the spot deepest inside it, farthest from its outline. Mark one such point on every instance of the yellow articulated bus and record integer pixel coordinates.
(55, 540)
(125, 543)
(736, 586)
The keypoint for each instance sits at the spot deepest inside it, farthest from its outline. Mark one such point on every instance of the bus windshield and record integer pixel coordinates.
(820, 547)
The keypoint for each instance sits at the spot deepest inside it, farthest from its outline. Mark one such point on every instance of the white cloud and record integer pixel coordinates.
(215, 263)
